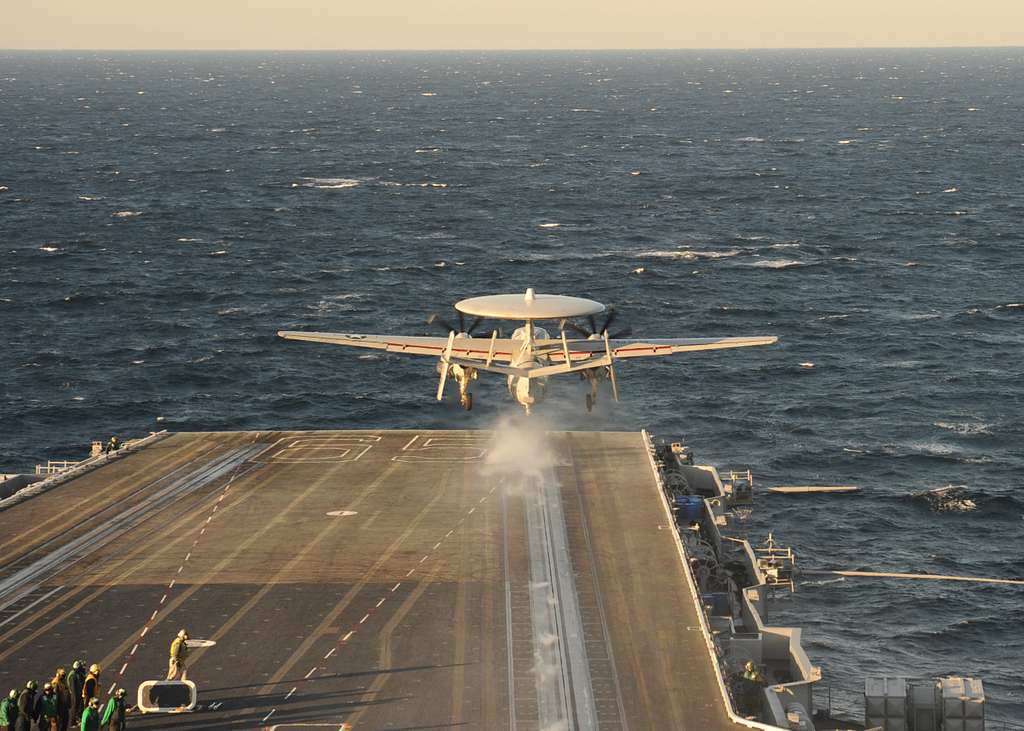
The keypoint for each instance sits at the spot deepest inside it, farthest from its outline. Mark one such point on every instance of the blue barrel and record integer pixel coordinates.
(689, 508)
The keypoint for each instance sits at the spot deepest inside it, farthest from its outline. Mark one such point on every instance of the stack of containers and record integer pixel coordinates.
(885, 703)
(963, 704)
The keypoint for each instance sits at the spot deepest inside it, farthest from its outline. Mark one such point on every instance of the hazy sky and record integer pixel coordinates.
(426, 24)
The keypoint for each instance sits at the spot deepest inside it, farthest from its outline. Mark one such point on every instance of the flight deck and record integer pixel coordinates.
(379, 579)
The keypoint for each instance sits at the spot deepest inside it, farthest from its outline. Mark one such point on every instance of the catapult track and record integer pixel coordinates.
(384, 579)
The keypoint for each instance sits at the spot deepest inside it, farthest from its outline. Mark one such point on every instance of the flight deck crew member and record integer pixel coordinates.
(114, 714)
(75, 682)
(91, 716)
(9, 711)
(26, 707)
(63, 694)
(179, 657)
(47, 703)
(91, 686)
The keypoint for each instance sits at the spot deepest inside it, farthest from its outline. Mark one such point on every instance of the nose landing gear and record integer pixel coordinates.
(463, 376)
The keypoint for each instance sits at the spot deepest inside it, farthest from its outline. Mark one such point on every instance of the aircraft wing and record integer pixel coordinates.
(471, 348)
(620, 348)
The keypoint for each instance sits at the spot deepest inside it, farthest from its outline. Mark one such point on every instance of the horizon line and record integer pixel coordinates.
(513, 50)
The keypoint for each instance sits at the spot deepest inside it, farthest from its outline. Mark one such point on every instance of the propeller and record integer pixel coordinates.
(436, 319)
(609, 318)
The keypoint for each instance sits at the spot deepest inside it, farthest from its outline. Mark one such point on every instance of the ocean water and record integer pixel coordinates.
(162, 215)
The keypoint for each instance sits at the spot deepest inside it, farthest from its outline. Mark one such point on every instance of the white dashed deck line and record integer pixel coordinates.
(267, 717)
(163, 599)
(348, 635)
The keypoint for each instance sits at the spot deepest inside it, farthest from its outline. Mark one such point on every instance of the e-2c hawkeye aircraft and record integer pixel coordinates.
(531, 355)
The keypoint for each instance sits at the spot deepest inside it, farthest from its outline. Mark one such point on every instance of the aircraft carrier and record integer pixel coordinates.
(370, 579)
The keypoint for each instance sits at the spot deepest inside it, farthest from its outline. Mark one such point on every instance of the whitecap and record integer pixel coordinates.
(189, 241)
(964, 427)
(221, 252)
(634, 172)
(776, 264)
(440, 264)
(427, 93)
(423, 150)
(844, 142)
(806, 364)
(583, 109)
(1011, 306)
(431, 185)
(639, 270)
(78, 398)
(691, 255)
(3, 188)
(90, 198)
(749, 139)
(49, 248)
(327, 183)
(369, 356)
(550, 225)
(954, 189)
(217, 130)
(138, 362)
(126, 214)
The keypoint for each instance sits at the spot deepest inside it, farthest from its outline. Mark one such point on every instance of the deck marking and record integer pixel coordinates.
(114, 685)
(235, 463)
(290, 692)
(37, 601)
(381, 600)
(265, 718)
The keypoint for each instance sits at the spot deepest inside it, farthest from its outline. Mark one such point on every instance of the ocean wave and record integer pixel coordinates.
(749, 139)
(964, 427)
(549, 225)
(126, 214)
(327, 183)
(691, 255)
(777, 264)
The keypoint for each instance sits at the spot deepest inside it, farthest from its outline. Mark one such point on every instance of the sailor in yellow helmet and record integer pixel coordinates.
(179, 657)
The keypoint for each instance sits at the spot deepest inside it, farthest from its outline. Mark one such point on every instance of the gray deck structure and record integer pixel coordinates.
(381, 579)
